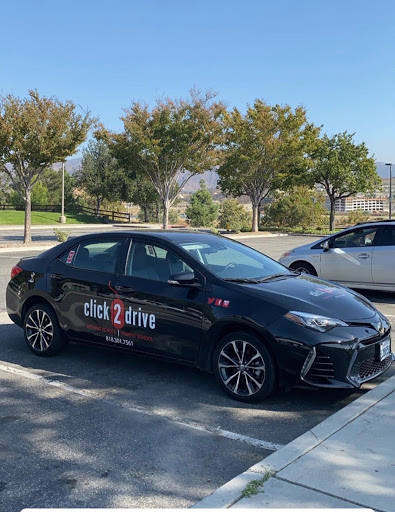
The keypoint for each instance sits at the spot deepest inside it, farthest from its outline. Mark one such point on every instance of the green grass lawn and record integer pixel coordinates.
(18, 218)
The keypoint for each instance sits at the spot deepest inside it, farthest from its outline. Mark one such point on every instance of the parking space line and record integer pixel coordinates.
(266, 445)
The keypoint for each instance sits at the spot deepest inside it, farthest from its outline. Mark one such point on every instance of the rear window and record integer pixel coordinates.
(99, 255)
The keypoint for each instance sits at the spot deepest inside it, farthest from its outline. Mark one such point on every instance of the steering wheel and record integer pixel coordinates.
(232, 264)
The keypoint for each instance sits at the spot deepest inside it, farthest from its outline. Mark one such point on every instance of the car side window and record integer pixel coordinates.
(149, 261)
(388, 236)
(361, 237)
(99, 255)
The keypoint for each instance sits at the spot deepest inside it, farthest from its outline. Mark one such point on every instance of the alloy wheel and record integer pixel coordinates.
(39, 330)
(241, 368)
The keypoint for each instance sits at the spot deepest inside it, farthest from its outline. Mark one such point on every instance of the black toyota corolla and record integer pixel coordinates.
(203, 300)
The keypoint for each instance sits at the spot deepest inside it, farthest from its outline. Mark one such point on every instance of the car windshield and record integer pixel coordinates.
(233, 261)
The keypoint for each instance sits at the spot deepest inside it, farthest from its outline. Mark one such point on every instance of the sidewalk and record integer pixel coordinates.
(347, 461)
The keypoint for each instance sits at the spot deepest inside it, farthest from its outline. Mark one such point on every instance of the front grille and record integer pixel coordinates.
(321, 370)
(369, 368)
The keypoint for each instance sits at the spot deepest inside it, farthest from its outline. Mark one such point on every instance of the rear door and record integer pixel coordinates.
(383, 262)
(349, 259)
(81, 285)
(159, 317)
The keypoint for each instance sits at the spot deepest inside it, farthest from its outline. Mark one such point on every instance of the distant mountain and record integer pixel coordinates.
(209, 177)
(71, 165)
(383, 170)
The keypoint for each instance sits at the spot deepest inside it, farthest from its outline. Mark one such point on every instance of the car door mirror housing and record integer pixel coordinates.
(184, 279)
(326, 245)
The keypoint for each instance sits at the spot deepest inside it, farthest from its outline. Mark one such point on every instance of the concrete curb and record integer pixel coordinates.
(27, 248)
(229, 493)
(13, 227)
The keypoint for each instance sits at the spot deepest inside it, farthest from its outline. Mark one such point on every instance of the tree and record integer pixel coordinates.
(233, 215)
(343, 168)
(170, 143)
(36, 132)
(53, 181)
(99, 175)
(5, 188)
(264, 149)
(144, 195)
(301, 206)
(202, 210)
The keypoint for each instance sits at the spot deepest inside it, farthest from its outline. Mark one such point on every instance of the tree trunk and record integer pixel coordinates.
(27, 238)
(166, 205)
(145, 213)
(255, 217)
(332, 215)
(98, 204)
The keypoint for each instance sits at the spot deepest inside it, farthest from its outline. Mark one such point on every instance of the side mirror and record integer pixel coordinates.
(326, 246)
(184, 279)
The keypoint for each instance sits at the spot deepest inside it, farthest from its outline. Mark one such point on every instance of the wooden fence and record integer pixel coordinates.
(108, 215)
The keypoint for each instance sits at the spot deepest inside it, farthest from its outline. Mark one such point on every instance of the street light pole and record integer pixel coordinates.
(390, 205)
(62, 218)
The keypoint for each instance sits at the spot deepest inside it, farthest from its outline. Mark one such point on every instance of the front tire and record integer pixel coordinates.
(244, 367)
(304, 268)
(42, 332)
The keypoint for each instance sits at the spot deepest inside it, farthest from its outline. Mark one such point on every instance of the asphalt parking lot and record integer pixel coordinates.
(99, 428)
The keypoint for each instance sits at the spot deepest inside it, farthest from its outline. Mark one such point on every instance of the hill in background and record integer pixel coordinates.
(209, 177)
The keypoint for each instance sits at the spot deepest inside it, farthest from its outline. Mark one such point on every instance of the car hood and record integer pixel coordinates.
(313, 295)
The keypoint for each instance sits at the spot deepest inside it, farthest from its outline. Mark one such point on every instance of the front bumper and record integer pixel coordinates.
(343, 365)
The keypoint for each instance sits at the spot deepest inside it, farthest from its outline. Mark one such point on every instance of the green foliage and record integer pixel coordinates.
(53, 181)
(343, 168)
(100, 175)
(357, 216)
(232, 216)
(170, 143)
(256, 486)
(202, 210)
(143, 194)
(36, 132)
(62, 236)
(299, 207)
(264, 150)
(39, 196)
(5, 188)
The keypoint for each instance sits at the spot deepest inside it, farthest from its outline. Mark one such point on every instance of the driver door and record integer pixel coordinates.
(349, 258)
(159, 316)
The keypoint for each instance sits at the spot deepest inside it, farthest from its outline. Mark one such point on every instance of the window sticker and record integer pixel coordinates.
(151, 250)
(70, 257)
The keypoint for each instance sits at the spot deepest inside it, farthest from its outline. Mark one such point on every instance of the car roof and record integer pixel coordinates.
(168, 235)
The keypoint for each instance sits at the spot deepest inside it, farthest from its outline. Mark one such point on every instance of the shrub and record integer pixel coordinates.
(299, 207)
(357, 216)
(202, 211)
(62, 236)
(233, 216)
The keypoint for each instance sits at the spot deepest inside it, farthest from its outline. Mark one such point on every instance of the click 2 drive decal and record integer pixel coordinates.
(119, 316)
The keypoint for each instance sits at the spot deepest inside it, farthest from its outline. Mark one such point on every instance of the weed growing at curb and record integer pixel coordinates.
(256, 486)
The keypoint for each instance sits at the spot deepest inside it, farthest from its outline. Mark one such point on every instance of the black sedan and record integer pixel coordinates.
(203, 300)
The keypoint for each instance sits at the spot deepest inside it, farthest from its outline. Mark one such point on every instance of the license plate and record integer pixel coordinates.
(385, 349)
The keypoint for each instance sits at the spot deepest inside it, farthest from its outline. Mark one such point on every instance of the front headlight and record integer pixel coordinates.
(316, 322)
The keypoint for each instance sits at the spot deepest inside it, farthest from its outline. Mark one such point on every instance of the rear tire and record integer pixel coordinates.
(244, 367)
(42, 333)
(304, 268)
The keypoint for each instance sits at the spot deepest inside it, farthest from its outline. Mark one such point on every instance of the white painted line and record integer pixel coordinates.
(266, 445)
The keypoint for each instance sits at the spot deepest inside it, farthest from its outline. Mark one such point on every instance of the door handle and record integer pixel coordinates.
(125, 289)
(57, 277)
(363, 256)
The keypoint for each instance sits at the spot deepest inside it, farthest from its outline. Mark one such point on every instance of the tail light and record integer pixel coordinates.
(15, 271)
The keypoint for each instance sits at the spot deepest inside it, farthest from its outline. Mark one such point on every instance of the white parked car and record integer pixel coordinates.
(359, 257)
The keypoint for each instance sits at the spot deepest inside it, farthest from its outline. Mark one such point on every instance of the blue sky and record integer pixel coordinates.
(337, 58)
